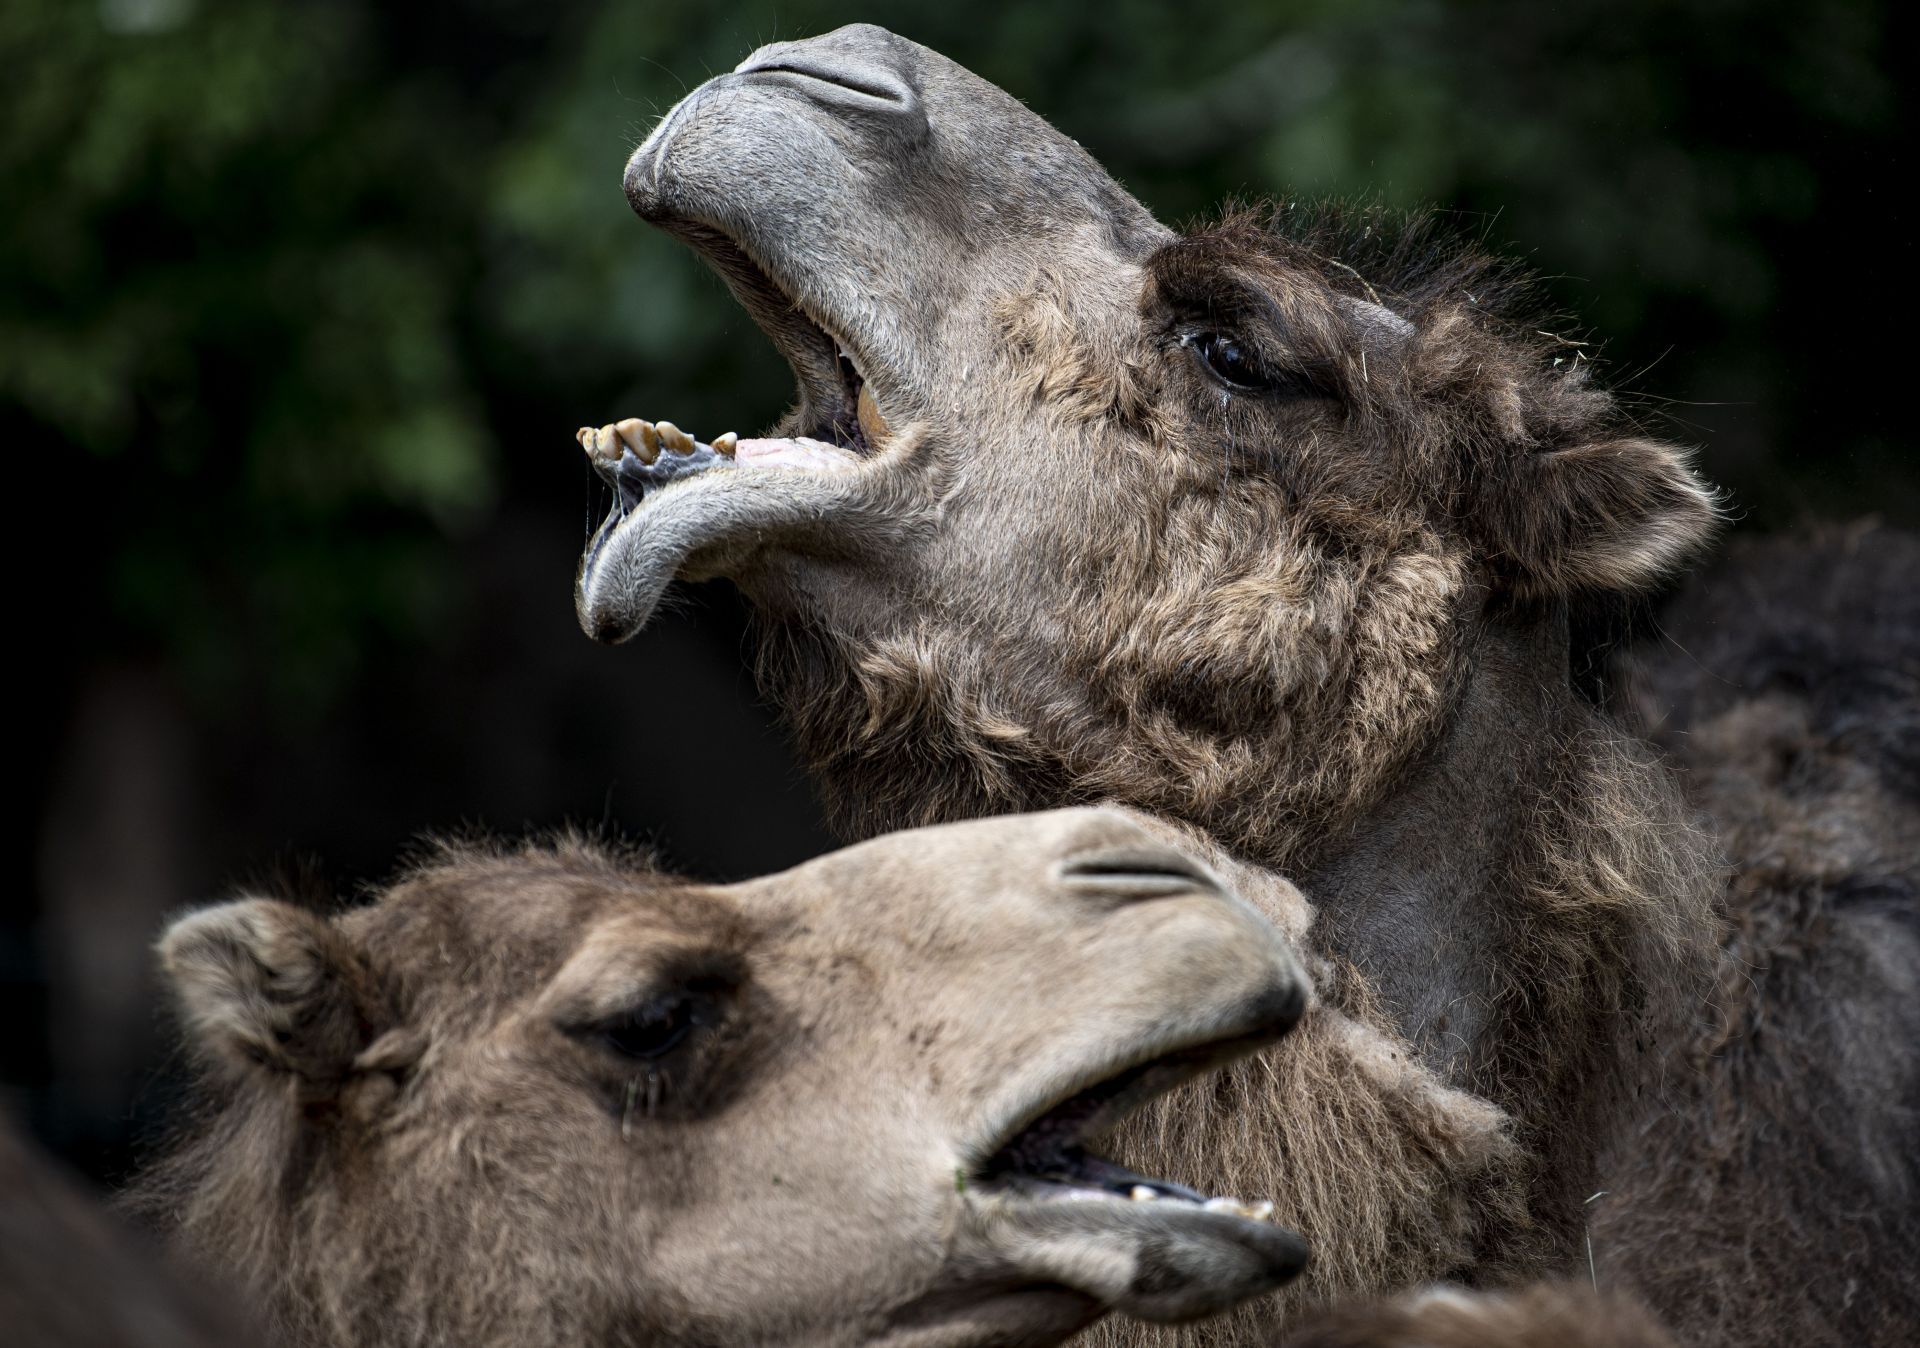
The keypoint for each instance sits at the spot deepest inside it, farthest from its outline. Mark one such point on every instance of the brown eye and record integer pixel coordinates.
(1230, 363)
(1233, 365)
(654, 1029)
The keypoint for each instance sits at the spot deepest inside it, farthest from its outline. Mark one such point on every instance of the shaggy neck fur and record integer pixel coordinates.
(1520, 910)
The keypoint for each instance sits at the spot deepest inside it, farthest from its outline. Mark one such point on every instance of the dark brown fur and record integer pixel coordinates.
(1789, 697)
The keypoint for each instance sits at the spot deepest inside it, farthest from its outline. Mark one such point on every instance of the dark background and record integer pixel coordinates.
(300, 304)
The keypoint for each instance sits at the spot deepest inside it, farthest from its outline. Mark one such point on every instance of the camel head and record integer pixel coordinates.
(556, 1096)
(1072, 506)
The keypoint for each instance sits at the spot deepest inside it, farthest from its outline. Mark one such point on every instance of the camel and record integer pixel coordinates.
(1792, 709)
(72, 1276)
(554, 1095)
(1272, 530)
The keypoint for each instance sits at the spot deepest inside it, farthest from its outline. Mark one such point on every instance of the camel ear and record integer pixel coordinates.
(268, 987)
(1620, 515)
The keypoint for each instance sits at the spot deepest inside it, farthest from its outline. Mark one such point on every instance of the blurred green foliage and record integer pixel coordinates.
(299, 294)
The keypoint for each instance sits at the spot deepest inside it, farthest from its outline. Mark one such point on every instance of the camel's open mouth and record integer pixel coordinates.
(835, 425)
(1045, 1160)
(834, 405)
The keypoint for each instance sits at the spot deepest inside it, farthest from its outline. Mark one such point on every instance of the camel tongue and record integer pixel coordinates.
(799, 451)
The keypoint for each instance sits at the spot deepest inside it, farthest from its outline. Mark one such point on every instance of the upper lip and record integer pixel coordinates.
(812, 341)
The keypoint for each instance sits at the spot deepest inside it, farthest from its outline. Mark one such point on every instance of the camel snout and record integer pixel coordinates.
(1277, 1008)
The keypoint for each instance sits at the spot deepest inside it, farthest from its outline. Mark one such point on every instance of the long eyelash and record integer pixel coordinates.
(1226, 423)
(656, 1090)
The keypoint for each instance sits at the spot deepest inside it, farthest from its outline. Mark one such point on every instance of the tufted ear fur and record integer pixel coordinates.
(268, 987)
(1619, 515)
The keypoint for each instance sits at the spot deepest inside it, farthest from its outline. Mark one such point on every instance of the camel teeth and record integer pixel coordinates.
(673, 438)
(1234, 1207)
(1140, 1193)
(600, 442)
(639, 437)
(724, 444)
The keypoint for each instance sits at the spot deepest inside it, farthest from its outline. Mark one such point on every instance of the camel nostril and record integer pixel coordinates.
(874, 84)
(1133, 873)
(848, 85)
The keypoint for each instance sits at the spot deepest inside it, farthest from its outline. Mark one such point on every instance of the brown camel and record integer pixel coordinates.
(1273, 530)
(1791, 705)
(554, 1096)
(72, 1276)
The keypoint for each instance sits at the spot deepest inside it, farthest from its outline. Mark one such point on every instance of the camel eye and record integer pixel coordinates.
(1233, 365)
(1227, 360)
(654, 1029)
